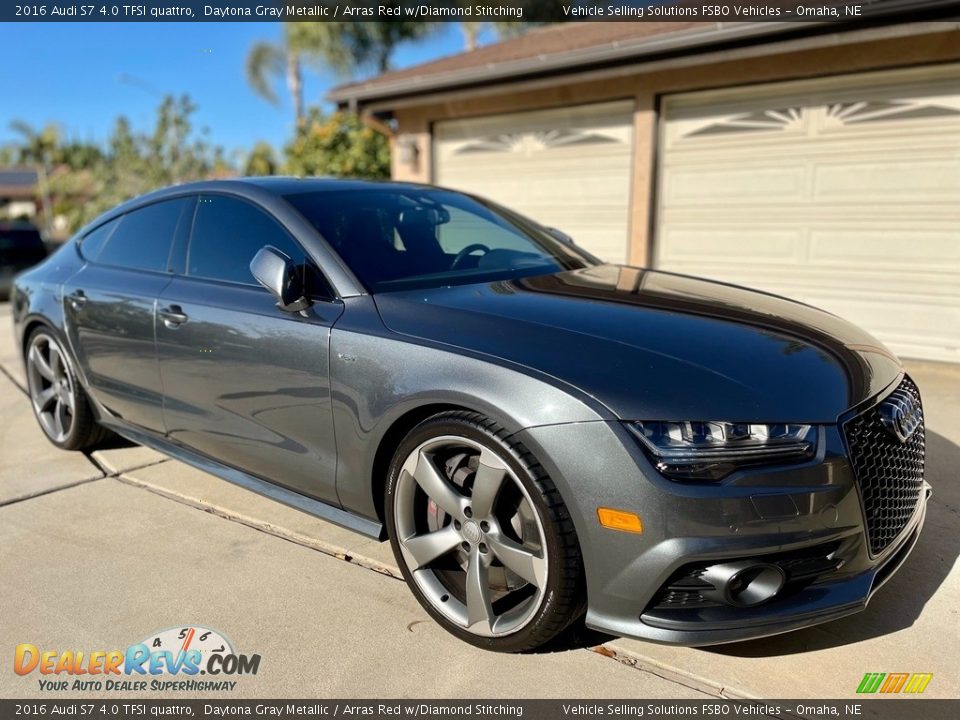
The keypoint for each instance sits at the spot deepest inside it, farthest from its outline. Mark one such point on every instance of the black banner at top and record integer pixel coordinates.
(476, 11)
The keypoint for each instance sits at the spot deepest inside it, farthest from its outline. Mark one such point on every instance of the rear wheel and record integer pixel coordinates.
(59, 402)
(481, 534)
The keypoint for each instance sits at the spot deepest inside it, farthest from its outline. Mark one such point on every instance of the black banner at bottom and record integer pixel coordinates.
(714, 709)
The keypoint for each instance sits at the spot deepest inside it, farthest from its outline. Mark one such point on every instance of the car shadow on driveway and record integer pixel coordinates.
(576, 637)
(114, 442)
(898, 604)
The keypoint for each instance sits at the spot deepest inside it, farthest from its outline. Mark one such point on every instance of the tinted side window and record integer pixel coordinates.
(142, 240)
(93, 242)
(227, 233)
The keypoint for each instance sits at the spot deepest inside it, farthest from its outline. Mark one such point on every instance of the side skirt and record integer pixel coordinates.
(270, 490)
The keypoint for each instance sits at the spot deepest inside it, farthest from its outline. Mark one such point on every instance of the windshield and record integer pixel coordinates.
(398, 239)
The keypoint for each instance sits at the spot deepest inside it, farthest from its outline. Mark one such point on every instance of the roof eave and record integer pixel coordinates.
(694, 39)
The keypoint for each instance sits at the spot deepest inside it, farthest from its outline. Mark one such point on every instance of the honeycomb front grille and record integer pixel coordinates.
(888, 471)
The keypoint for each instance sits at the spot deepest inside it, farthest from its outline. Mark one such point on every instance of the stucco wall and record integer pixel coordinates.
(414, 121)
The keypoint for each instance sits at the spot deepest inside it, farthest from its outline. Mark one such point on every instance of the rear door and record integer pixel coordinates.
(109, 306)
(246, 383)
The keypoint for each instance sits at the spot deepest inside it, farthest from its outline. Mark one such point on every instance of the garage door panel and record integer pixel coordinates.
(891, 250)
(735, 184)
(917, 326)
(851, 204)
(553, 179)
(805, 281)
(892, 215)
(850, 249)
(916, 329)
(543, 160)
(923, 179)
(731, 246)
(566, 168)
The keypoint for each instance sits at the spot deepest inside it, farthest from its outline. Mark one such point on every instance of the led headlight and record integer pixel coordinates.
(712, 450)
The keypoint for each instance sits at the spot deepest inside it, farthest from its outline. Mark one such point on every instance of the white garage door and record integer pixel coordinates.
(568, 168)
(843, 194)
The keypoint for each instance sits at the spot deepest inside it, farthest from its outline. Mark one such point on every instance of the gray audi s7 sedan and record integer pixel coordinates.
(538, 434)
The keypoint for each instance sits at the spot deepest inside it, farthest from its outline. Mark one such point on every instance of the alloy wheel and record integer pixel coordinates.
(470, 536)
(52, 389)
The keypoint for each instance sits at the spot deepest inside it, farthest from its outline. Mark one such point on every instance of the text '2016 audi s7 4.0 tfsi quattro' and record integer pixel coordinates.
(539, 434)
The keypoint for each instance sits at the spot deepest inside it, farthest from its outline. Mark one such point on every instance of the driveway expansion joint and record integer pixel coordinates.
(339, 552)
(51, 491)
(12, 378)
(296, 538)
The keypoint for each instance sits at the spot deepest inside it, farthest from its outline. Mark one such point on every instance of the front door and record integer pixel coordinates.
(246, 383)
(109, 304)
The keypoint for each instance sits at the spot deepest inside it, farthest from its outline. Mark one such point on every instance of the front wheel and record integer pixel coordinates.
(481, 535)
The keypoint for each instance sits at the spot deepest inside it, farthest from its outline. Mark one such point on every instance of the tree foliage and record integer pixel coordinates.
(266, 62)
(339, 145)
(343, 47)
(86, 179)
(260, 161)
(35, 147)
(502, 29)
(347, 47)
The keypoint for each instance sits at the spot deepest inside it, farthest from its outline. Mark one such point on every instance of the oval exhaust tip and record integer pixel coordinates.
(745, 583)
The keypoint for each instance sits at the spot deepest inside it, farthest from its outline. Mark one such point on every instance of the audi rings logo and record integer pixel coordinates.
(901, 415)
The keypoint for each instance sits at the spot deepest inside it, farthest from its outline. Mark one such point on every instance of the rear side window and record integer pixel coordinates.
(142, 239)
(227, 233)
(93, 242)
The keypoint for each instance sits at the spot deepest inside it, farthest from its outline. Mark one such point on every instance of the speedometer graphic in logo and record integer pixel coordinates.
(184, 639)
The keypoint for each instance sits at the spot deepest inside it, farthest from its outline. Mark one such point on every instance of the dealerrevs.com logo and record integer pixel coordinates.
(909, 683)
(170, 660)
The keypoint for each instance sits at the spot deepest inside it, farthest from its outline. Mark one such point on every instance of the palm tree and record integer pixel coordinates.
(266, 61)
(372, 44)
(471, 31)
(36, 146)
(344, 47)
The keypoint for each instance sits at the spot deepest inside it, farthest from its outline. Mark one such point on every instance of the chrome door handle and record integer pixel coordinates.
(77, 299)
(173, 317)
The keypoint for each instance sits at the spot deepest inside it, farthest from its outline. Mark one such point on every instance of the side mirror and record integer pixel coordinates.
(277, 273)
(560, 235)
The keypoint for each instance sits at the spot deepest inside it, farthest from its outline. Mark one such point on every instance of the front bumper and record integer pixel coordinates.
(761, 514)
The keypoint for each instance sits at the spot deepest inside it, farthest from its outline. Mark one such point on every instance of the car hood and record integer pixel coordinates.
(656, 345)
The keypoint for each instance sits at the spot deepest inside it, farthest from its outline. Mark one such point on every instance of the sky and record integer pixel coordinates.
(83, 75)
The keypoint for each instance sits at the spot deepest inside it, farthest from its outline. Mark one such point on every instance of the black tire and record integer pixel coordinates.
(562, 599)
(84, 432)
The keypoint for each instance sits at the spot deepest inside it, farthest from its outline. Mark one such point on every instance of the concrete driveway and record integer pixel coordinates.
(100, 551)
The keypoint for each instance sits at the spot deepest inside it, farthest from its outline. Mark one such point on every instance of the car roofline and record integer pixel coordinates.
(345, 282)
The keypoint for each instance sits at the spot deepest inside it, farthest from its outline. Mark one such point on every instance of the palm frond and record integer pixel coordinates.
(265, 63)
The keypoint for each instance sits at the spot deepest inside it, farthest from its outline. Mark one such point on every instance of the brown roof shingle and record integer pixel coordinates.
(559, 38)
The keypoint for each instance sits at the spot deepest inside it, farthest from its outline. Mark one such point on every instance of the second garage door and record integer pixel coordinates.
(844, 194)
(568, 168)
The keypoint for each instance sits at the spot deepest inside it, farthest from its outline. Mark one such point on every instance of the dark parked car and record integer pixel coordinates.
(537, 433)
(20, 247)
